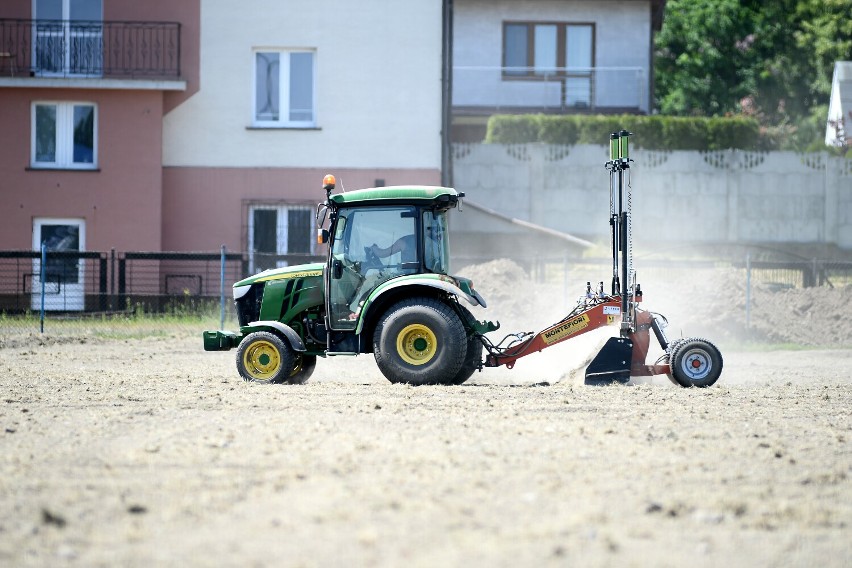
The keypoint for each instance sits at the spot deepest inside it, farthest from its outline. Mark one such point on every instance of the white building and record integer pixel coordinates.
(839, 123)
(551, 56)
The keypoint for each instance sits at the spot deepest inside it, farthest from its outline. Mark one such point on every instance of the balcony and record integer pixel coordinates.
(62, 49)
(479, 91)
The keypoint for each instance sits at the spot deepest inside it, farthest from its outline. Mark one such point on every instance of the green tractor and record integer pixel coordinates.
(383, 289)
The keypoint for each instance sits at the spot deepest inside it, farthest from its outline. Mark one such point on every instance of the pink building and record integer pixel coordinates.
(83, 90)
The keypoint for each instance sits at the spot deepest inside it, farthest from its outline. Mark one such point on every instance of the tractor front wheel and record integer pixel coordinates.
(420, 341)
(696, 363)
(263, 357)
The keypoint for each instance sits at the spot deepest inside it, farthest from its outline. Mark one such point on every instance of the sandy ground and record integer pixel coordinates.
(153, 452)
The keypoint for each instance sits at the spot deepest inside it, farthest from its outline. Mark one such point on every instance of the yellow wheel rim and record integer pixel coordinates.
(416, 344)
(262, 360)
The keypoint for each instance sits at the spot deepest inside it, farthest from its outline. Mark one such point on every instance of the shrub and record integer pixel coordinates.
(734, 132)
(514, 129)
(652, 132)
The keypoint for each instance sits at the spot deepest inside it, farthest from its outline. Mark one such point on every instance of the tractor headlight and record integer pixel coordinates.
(240, 291)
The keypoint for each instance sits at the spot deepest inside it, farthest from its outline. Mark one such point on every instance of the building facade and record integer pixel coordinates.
(290, 92)
(184, 126)
(84, 88)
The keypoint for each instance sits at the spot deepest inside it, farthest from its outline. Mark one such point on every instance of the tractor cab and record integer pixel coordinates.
(377, 235)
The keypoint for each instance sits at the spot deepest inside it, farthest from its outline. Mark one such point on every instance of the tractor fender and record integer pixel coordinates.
(295, 341)
(441, 284)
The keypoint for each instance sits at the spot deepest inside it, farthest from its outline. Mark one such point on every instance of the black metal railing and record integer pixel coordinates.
(156, 281)
(477, 89)
(72, 48)
(78, 288)
(113, 282)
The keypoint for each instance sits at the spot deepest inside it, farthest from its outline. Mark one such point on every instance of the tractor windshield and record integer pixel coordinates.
(370, 245)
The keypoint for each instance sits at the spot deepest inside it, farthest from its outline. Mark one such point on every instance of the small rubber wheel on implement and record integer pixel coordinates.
(696, 363)
(303, 368)
(263, 357)
(473, 356)
(669, 351)
(420, 341)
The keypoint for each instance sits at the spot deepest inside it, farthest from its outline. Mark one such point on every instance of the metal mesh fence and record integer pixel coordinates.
(132, 294)
(123, 294)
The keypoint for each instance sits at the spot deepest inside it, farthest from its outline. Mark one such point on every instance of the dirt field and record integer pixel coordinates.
(152, 451)
(141, 452)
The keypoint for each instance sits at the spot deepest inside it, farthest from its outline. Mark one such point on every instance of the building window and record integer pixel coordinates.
(64, 135)
(68, 37)
(552, 51)
(276, 231)
(284, 94)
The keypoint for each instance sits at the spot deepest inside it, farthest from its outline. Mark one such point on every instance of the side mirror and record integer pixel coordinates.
(322, 236)
(336, 269)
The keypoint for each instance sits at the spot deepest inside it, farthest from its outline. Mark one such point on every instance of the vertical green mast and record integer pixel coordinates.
(619, 207)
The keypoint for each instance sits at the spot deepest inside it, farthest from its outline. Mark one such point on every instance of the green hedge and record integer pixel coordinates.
(653, 132)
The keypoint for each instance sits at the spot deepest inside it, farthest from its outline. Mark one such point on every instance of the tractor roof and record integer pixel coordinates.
(408, 194)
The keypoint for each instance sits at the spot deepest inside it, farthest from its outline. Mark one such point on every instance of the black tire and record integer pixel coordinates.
(669, 351)
(303, 368)
(696, 363)
(473, 355)
(263, 357)
(420, 341)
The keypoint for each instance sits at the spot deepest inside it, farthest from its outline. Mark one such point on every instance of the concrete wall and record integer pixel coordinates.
(723, 197)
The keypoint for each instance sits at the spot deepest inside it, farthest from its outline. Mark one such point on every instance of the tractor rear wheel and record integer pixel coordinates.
(263, 357)
(420, 341)
(696, 363)
(473, 356)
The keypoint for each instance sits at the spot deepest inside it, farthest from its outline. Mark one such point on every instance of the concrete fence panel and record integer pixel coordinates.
(719, 197)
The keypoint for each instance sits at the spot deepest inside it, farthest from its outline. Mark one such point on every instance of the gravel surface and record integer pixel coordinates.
(141, 452)
(153, 452)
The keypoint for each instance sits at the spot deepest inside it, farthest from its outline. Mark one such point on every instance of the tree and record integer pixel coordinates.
(772, 60)
(702, 56)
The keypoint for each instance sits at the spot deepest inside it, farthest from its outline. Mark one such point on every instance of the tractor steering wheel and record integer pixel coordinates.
(371, 259)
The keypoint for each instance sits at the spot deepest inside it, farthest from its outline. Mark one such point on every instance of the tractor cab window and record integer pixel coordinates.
(436, 250)
(370, 245)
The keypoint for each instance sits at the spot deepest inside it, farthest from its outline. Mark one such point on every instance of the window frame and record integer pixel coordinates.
(283, 89)
(282, 226)
(529, 73)
(64, 136)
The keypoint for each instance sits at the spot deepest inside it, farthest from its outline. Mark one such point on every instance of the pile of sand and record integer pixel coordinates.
(720, 306)
(514, 299)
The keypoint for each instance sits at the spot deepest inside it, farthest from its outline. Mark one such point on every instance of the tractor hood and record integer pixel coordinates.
(287, 272)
